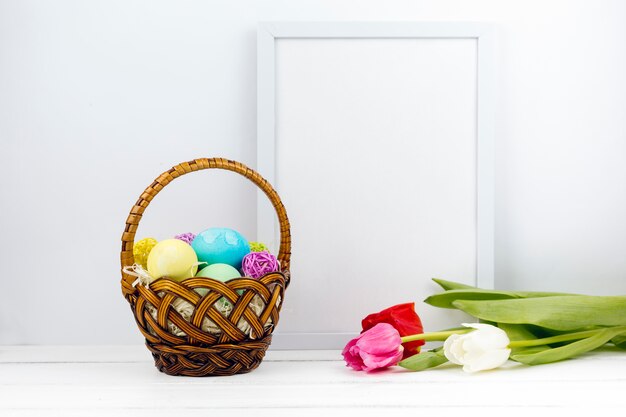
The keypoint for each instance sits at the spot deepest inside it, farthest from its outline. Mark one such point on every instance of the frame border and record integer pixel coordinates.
(269, 32)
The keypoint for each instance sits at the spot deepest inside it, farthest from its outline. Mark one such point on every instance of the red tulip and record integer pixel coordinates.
(404, 319)
(376, 348)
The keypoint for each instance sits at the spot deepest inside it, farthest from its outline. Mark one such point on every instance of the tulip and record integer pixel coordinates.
(404, 319)
(479, 350)
(574, 324)
(376, 348)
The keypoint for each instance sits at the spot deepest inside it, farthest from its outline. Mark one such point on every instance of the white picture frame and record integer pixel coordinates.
(481, 33)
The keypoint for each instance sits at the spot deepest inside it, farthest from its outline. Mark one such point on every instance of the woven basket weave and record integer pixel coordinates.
(197, 352)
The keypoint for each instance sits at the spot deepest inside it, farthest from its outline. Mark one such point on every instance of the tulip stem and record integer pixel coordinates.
(433, 336)
(555, 339)
(441, 336)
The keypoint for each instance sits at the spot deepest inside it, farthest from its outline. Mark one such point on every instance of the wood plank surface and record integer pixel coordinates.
(122, 380)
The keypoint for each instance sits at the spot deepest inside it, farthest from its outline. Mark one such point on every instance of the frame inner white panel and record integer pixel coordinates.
(375, 146)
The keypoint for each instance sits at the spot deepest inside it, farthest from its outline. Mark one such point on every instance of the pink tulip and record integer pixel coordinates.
(376, 348)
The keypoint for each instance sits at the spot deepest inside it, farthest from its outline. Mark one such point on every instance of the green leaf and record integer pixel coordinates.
(445, 299)
(559, 312)
(570, 350)
(619, 341)
(539, 294)
(451, 285)
(517, 331)
(424, 360)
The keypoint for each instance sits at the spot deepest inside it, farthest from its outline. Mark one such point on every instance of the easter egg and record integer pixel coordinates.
(174, 259)
(142, 249)
(219, 245)
(220, 272)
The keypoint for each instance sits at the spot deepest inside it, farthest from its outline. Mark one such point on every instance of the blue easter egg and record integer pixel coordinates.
(220, 245)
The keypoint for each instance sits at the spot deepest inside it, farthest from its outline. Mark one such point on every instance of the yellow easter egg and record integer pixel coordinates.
(142, 249)
(174, 259)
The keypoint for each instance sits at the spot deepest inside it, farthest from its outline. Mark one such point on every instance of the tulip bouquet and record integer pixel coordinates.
(527, 327)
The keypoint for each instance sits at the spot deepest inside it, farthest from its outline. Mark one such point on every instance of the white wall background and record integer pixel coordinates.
(97, 98)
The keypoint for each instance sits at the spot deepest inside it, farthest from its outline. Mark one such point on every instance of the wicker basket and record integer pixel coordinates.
(198, 352)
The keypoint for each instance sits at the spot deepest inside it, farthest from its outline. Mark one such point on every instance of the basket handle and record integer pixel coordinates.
(132, 222)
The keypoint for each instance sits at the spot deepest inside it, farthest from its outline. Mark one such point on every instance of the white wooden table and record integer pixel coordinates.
(122, 381)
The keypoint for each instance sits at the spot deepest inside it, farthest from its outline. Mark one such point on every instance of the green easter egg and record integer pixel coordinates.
(220, 272)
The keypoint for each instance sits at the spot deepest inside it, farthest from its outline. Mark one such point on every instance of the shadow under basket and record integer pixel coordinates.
(201, 326)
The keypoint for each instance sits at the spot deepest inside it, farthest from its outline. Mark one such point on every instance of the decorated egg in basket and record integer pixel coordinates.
(172, 258)
(220, 245)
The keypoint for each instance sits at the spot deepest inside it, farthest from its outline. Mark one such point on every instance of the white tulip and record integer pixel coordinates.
(479, 350)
